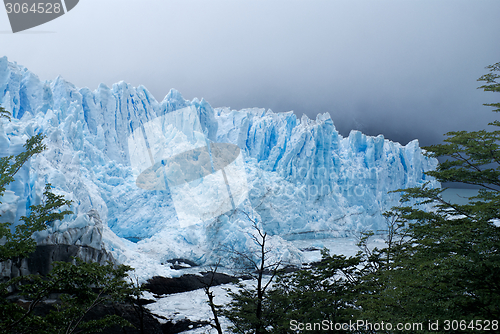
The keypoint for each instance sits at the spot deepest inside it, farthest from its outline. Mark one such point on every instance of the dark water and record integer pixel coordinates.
(458, 195)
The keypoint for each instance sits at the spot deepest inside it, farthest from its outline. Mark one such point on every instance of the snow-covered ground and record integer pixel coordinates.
(190, 305)
(193, 305)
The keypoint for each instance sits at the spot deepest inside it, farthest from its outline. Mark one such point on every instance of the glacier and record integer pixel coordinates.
(302, 179)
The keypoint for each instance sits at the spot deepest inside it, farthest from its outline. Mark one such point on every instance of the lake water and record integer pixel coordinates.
(458, 195)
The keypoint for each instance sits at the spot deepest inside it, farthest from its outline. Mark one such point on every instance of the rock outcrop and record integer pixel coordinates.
(40, 261)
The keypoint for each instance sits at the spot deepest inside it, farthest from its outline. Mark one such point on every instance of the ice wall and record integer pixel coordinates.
(305, 179)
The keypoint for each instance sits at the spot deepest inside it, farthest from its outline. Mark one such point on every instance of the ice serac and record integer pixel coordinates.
(308, 181)
(305, 180)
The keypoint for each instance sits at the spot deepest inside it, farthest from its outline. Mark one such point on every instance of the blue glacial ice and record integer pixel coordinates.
(296, 178)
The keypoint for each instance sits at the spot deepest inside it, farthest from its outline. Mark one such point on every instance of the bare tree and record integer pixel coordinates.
(210, 296)
(246, 311)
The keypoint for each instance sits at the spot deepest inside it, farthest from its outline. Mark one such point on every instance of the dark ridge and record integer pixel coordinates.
(164, 286)
(40, 261)
(139, 317)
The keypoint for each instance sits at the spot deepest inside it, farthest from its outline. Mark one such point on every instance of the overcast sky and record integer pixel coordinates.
(406, 69)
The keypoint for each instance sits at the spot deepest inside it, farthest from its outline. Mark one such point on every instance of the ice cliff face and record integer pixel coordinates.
(304, 179)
